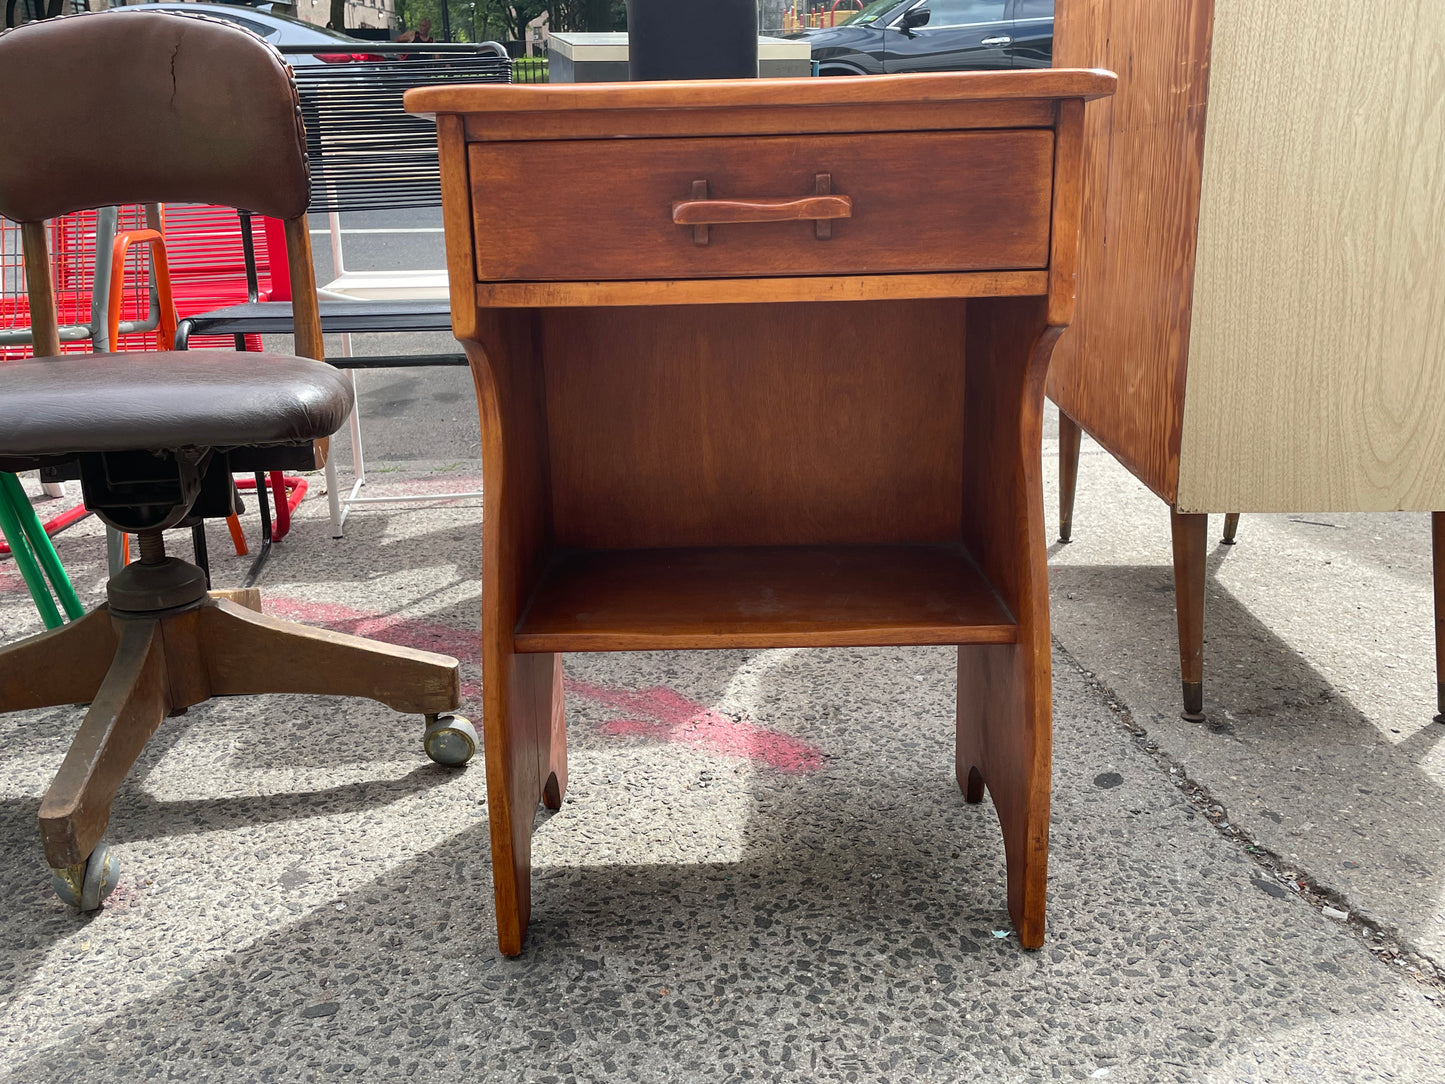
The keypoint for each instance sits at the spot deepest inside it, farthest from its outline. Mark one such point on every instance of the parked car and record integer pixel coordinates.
(893, 36)
(331, 47)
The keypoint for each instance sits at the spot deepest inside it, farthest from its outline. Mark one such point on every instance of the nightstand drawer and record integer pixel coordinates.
(587, 210)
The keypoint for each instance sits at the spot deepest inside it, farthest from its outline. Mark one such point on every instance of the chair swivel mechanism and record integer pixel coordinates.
(210, 117)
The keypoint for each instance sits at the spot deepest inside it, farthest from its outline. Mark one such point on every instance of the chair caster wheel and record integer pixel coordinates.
(450, 739)
(86, 886)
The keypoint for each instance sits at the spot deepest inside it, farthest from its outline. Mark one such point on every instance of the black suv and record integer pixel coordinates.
(891, 36)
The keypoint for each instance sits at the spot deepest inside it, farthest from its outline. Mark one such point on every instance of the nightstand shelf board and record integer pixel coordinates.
(763, 596)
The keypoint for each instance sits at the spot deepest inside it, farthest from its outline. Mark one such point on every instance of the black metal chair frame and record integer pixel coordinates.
(366, 154)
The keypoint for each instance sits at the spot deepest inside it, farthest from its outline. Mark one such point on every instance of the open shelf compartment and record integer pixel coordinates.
(766, 596)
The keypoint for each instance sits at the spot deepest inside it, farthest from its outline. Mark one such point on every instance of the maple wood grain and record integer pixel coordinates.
(637, 99)
(983, 203)
(1004, 707)
(765, 425)
(815, 288)
(774, 119)
(521, 700)
(1315, 379)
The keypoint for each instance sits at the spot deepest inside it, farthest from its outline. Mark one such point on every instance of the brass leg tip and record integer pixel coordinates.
(1193, 702)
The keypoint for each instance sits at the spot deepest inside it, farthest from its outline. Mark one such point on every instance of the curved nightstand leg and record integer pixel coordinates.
(522, 731)
(1004, 741)
(1191, 531)
(522, 706)
(1069, 439)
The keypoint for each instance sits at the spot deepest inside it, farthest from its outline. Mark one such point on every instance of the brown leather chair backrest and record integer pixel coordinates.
(146, 107)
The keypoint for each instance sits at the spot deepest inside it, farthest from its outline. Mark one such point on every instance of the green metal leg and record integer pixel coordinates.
(41, 545)
(24, 560)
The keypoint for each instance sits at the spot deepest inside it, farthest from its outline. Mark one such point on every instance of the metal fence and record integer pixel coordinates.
(531, 69)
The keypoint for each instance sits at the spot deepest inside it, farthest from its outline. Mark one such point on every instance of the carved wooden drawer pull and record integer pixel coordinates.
(822, 207)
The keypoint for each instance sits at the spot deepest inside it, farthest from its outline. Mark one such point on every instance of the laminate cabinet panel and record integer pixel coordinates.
(1315, 375)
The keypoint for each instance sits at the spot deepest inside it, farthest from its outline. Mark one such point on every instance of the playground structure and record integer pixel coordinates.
(807, 16)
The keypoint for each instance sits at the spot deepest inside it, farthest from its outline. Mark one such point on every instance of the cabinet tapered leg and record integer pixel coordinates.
(1437, 552)
(1231, 527)
(1191, 531)
(1070, 436)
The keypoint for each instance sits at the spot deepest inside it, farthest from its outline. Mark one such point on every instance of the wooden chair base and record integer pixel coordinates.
(134, 669)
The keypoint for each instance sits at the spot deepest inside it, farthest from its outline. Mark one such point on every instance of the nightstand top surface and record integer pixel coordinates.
(1043, 83)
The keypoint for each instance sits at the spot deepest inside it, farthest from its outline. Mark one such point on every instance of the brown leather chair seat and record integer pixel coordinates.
(195, 399)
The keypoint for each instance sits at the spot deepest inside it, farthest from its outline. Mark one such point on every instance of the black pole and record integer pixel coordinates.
(446, 21)
(692, 39)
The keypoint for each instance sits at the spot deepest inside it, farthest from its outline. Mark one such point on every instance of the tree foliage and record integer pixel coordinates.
(481, 20)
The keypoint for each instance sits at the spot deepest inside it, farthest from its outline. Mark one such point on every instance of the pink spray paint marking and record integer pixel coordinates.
(388, 628)
(666, 715)
(658, 714)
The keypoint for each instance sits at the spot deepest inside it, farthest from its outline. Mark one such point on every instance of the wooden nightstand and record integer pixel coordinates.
(761, 364)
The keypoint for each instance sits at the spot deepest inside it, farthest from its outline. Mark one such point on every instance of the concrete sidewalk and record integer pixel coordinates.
(764, 869)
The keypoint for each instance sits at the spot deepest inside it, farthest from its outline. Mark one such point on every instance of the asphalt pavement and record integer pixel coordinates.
(406, 414)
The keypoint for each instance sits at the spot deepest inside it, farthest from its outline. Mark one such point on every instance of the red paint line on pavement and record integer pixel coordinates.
(671, 717)
(658, 714)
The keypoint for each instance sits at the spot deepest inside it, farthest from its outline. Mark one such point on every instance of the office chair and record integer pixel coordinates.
(138, 108)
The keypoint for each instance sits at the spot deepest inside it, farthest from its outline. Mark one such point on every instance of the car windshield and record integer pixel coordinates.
(868, 14)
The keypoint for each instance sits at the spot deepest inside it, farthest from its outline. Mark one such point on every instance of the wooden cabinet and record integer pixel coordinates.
(1264, 264)
(761, 364)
